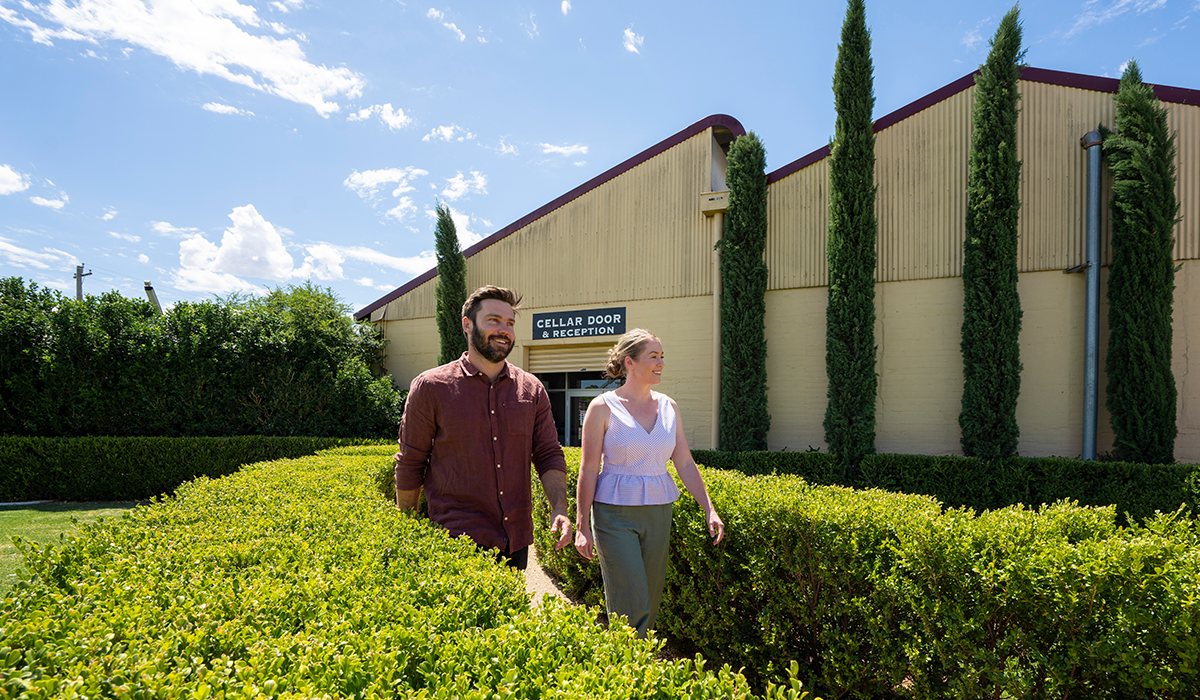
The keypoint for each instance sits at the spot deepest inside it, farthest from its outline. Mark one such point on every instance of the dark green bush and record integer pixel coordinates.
(289, 363)
(292, 579)
(1137, 491)
(133, 469)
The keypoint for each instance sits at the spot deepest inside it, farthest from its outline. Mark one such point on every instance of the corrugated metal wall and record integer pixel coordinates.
(1185, 122)
(921, 173)
(641, 233)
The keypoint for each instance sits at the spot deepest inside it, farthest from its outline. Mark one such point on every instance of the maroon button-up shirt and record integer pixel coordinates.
(470, 442)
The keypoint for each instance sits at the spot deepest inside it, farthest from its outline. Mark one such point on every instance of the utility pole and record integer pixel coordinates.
(79, 275)
(153, 298)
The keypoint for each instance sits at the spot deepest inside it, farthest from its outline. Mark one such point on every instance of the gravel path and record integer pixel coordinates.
(538, 581)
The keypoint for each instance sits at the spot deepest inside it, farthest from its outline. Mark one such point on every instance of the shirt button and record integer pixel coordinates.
(495, 438)
(501, 493)
(497, 466)
(493, 411)
(505, 518)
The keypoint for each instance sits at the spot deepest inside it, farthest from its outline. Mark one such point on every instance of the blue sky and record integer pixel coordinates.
(214, 146)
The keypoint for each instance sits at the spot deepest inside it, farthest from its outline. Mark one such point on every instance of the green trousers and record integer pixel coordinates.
(633, 543)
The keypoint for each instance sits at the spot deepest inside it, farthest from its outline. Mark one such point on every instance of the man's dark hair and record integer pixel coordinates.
(507, 296)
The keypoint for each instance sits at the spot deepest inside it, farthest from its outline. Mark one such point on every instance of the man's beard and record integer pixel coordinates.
(484, 347)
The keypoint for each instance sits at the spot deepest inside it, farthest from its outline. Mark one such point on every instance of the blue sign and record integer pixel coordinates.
(579, 324)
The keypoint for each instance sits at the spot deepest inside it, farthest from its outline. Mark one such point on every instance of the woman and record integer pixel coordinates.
(627, 505)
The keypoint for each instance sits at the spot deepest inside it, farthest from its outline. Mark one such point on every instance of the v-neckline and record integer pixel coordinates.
(657, 411)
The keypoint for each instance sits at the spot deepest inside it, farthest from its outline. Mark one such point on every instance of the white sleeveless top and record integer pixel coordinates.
(634, 471)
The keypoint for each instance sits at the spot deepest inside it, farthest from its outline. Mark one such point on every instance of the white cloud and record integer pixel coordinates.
(109, 214)
(12, 181)
(250, 247)
(563, 150)
(974, 37)
(51, 203)
(324, 260)
(47, 258)
(580, 163)
(439, 16)
(368, 282)
(206, 36)
(143, 258)
(449, 133)
(1095, 15)
(166, 229)
(367, 185)
(394, 118)
(460, 186)
(633, 41)
(125, 236)
(226, 109)
(566, 7)
(531, 28)
(506, 149)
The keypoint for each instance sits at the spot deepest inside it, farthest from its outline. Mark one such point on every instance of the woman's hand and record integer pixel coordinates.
(583, 541)
(716, 526)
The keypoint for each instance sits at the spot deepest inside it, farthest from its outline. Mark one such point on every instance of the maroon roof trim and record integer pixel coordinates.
(662, 146)
(1034, 75)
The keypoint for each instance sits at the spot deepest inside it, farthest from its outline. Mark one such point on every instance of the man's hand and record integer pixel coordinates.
(560, 523)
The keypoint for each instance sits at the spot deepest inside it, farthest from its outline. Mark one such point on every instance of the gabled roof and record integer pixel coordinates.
(720, 120)
(1034, 75)
(1037, 75)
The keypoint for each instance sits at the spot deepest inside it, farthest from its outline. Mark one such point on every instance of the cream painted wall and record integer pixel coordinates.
(412, 348)
(920, 365)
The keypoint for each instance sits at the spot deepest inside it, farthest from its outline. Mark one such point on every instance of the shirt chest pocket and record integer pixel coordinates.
(517, 417)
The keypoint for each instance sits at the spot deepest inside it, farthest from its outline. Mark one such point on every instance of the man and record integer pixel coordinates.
(469, 432)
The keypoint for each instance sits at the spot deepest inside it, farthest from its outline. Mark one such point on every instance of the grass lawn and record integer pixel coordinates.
(44, 523)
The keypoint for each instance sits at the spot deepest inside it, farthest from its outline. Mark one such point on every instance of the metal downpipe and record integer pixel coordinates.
(1091, 141)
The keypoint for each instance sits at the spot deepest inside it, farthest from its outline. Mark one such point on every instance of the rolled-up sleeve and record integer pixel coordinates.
(418, 426)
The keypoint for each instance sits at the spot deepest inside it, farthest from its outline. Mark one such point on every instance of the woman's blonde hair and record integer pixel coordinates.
(630, 345)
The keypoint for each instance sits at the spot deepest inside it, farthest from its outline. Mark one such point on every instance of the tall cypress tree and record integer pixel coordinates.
(991, 306)
(744, 417)
(451, 288)
(850, 314)
(1141, 390)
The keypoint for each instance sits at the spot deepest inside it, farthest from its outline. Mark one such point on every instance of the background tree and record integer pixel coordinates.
(288, 363)
(850, 314)
(991, 306)
(1141, 390)
(744, 417)
(451, 287)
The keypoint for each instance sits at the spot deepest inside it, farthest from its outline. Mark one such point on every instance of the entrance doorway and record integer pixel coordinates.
(570, 394)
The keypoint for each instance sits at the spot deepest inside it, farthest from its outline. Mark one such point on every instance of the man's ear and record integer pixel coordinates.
(466, 325)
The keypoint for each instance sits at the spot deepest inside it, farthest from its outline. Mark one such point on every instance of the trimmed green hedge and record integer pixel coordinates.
(133, 468)
(294, 579)
(875, 593)
(1137, 491)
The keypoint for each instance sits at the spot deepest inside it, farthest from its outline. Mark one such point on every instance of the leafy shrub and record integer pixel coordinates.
(132, 469)
(293, 579)
(877, 594)
(289, 363)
